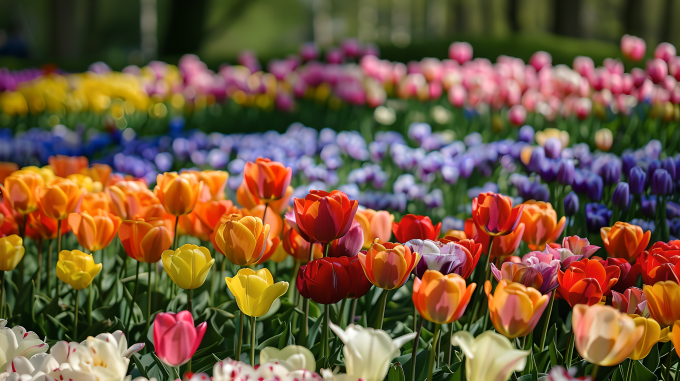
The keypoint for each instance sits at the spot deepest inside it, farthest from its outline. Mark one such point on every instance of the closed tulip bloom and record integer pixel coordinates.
(674, 336)
(441, 299)
(349, 245)
(632, 301)
(94, 201)
(296, 356)
(175, 338)
(21, 189)
(128, 199)
(94, 231)
(515, 309)
(493, 213)
(178, 192)
(45, 172)
(67, 165)
(297, 247)
(628, 276)
(188, 266)
(502, 245)
(448, 255)
(637, 180)
(652, 334)
(214, 183)
(242, 240)
(324, 280)
(77, 269)
(388, 265)
(663, 300)
(267, 179)
(98, 173)
(324, 217)
(624, 240)
(571, 204)
(621, 196)
(60, 198)
(415, 227)
(249, 200)
(255, 291)
(86, 182)
(541, 225)
(11, 252)
(603, 335)
(586, 281)
(375, 224)
(489, 356)
(145, 240)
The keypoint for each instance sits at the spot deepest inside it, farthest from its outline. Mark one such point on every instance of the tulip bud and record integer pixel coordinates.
(566, 172)
(174, 337)
(77, 269)
(571, 204)
(489, 356)
(11, 252)
(255, 291)
(441, 299)
(636, 180)
(604, 139)
(21, 189)
(657, 70)
(178, 193)
(540, 59)
(460, 51)
(669, 165)
(349, 245)
(517, 115)
(526, 304)
(621, 196)
(188, 266)
(662, 183)
(242, 240)
(526, 134)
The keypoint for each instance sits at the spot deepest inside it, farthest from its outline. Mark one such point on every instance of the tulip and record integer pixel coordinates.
(659, 262)
(93, 201)
(602, 335)
(324, 217)
(636, 180)
(586, 281)
(60, 198)
(21, 190)
(191, 225)
(77, 269)
(571, 204)
(624, 240)
(213, 184)
(298, 248)
(67, 165)
(460, 51)
(628, 276)
(662, 183)
(267, 179)
(188, 266)
(178, 192)
(368, 352)
(579, 246)
(674, 336)
(517, 115)
(515, 309)
(502, 245)
(493, 214)
(86, 182)
(11, 252)
(7, 169)
(94, 231)
(46, 172)
(663, 300)
(541, 225)
(242, 240)
(632, 301)
(145, 240)
(175, 338)
(375, 224)
(349, 245)
(98, 173)
(448, 255)
(213, 213)
(255, 291)
(652, 334)
(604, 139)
(415, 227)
(621, 196)
(324, 280)
(129, 198)
(274, 221)
(249, 200)
(536, 270)
(295, 356)
(232, 370)
(489, 356)
(440, 298)
(16, 342)
(388, 265)
(40, 226)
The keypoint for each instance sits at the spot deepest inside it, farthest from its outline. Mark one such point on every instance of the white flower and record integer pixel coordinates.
(23, 369)
(232, 370)
(298, 357)
(118, 339)
(17, 341)
(368, 352)
(92, 360)
(489, 357)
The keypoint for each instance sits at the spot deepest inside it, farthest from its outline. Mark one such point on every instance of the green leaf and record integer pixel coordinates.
(270, 342)
(641, 373)
(139, 366)
(283, 337)
(652, 360)
(161, 366)
(421, 360)
(313, 332)
(396, 373)
(527, 377)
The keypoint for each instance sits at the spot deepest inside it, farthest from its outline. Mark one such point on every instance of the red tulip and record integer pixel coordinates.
(628, 276)
(659, 263)
(415, 227)
(329, 280)
(324, 217)
(493, 213)
(586, 281)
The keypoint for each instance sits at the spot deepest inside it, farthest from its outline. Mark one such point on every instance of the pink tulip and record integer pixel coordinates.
(584, 66)
(627, 83)
(517, 115)
(334, 56)
(657, 69)
(461, 52)
(615, 66)
(175, 337)
(583, 107)
(308, 51)
(457, 95)
(540, 59)
(665, 51)
(639, 76)
(633, 47)
(600, 79)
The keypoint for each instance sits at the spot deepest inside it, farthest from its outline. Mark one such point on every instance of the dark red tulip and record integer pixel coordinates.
(359, 283)
(628, 276)
(415, 227)
(660, 262)
(324, 280)
(324, 217)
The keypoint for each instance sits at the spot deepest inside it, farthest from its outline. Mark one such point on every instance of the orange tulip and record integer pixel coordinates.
(242, 240)
(93, 201)
(325, 217)
(129, 198)
(441, 299)
(190, 224)
(157, 212)
(7, 169)
(298, 248)
(515, 309)
(624, 240)
(211, 213)
(21, 190)
(675, 336)
(213, 184)
(493, 213)
(268, 180)
(86, 182)
(541, 225)
(60, 198)
(375, 224)
(8, 221)
(144, 241)
(98, 173)
(40, 226)
(663, 300)
(67, 165)
(178, 192)
(502, 245)
(274, 220)
(388, 265)
(94, 230)
(585, 281)
(272, 246)
(248, 200)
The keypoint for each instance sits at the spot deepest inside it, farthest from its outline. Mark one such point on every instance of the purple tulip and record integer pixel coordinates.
(526, 134)
(446, 258)
(537, 160)
(419, 131)
(571, 204)
(594, 187)
(565, 172)
(553, 148)
(450, 174)
(669, 165)
(533, 264)
(549, 170)
(649, 206)
(636, 180)
(628, 161)
(434, 199)
(597, 216)
(621, 196)
(662, 183)
(610, 171)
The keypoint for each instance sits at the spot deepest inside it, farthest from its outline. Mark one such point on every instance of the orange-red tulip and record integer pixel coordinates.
(441, 299)
(190, 224)
(213, 184)
(585, 281)
(178, 192)
(60, 198)
(325, 217)
(98, 172)
(129, 198)
(94, 230)
(624, 240)
(144, 241)
(502, 245)
(93, 201)
(388, 265)
(21, 190)
(375, 224)
(212, 212)
(515, 309)
(267, 179)
(42, 227)
(248, 200)
(8, 221)
(298, 248)
(67, 165)
(493, 213)
(540, 224)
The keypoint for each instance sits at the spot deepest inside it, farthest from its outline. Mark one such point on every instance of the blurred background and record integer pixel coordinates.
(74, 33)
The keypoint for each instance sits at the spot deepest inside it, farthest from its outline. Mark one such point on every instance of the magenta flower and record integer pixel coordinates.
(175, 337)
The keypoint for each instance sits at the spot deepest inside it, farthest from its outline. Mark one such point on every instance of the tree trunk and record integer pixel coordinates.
(62, 28)
(633, 17)
(667, 21)
(513, 15)
(186, 27)
(568, 17)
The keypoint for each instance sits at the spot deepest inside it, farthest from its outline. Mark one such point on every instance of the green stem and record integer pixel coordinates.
(414, 353)
(240, 337)
(190, 304)
(570, 351)
(49, 267)
(449, 350)
(433, 352)
(326, 246)
(75, 324)
(293, 280)
(382, 303)
(668, 364)
(326, 329)
(630, 370)
(593, 374)
(132, 302)
(253, 344)
(174, 244)
(89, 305)
(547, 319)
(148, 299)
(39, 243)
(480, 281)
(352, 313)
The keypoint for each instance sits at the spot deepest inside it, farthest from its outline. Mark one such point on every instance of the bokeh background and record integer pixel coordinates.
(74, 33)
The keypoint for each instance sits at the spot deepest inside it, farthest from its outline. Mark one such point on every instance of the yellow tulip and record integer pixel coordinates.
(46, 172)
(11, 252)
(242, 240)
(255, 291)
(86, 182)
(77, 269)
(652, 335)
(188, 266)
(21, 188)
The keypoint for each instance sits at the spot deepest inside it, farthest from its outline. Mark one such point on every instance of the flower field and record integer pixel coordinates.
(345, 219)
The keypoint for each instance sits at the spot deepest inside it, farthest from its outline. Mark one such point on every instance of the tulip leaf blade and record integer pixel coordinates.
(269, 342)
(652, 360)
(139, 366)
(161, 366)
(313, 332)
(396, 373)
(641, 373)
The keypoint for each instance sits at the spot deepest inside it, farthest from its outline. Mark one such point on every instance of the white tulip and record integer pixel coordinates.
(368, 352)
(489, 357)
(16, 342)
(118, 339)
(24, 369)
(298, 357)
(232, 370)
